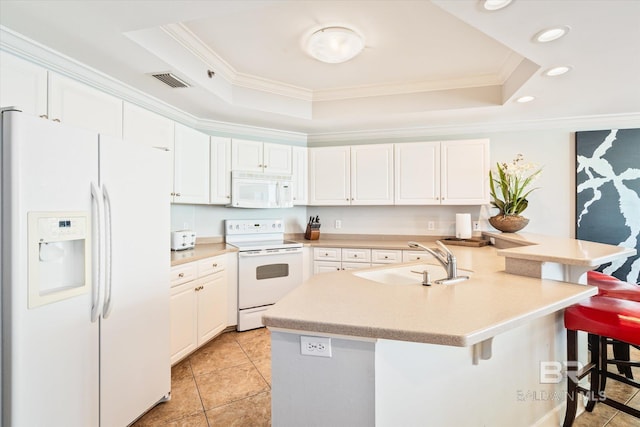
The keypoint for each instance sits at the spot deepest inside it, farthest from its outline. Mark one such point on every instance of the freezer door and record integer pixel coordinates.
(49, 351)
(135, 370)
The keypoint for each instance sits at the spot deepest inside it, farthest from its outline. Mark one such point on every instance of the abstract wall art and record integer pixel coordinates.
(608, 194)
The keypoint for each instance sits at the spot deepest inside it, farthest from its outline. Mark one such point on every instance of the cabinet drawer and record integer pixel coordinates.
(356, 255)
(327, 254)
(355, 265)
(408, 256)
(210, 265)
(382, 256)
(326, 266)
(183, 273)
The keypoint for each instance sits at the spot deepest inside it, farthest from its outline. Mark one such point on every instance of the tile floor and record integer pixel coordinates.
(227, 383)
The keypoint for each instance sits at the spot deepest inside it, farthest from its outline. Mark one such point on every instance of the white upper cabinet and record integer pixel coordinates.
(299, 175)
(23, 85)
(465, 172)
(372, 174)
(77, 104)
(191, 166)
(256, 156)
(417, 173)
(330, 176)
(220, 171)
(146, 127)
(277, 158)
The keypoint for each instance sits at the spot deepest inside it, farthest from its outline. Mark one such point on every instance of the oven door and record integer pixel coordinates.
(267, 275)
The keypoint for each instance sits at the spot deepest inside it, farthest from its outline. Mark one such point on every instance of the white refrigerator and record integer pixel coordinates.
(85, 276)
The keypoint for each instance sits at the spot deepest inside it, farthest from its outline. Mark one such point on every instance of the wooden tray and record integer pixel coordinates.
(475, 242)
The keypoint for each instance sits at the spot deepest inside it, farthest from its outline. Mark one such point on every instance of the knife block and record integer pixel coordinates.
(312, 233)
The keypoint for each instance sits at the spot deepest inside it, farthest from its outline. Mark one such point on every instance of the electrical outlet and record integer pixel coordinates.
(476, 225)
(338, 224)
(315, 346)
(431, 225)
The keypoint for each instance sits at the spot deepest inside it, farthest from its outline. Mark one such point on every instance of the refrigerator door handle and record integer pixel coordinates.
(96, 286)
(108, 301)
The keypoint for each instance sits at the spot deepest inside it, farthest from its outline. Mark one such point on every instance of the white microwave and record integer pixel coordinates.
(260, 190)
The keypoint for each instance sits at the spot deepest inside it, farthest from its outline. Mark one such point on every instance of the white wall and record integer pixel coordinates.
(208, 221)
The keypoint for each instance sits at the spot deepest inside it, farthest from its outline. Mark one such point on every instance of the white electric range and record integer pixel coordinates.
(268, 266)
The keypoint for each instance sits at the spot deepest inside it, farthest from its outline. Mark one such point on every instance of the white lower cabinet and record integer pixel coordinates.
(385, 256)
(198, 304)
(328, 260)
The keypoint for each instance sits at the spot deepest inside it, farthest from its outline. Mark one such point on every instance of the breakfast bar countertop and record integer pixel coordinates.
(462, 314)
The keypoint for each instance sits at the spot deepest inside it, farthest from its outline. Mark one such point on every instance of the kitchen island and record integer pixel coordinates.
(467, 354)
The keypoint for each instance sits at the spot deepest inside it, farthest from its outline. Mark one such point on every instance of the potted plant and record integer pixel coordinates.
(509, 193)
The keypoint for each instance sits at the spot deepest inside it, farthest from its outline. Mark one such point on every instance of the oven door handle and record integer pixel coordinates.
(267, 253)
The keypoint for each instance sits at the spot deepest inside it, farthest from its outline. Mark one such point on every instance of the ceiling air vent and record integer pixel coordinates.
(170, 80)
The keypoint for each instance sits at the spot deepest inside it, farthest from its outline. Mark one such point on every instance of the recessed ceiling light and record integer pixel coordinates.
(551, 34)
(524, 99)
(557, 71)
(335, 44)
(495, 4)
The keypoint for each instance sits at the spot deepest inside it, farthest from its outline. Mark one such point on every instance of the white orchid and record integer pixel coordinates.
(513, 179)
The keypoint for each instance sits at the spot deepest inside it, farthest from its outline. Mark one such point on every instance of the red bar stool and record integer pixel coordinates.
(613, 287)
(602, 318)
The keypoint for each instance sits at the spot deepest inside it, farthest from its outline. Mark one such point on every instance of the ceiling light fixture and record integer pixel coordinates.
(551, 34)
(525, 99)
(557, 71)
(335, 44)
(492, 5)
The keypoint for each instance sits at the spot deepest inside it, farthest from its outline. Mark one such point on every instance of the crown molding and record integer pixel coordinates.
(43, 56)
(572, 124)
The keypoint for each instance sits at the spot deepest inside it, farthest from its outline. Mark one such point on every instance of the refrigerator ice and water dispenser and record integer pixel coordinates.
(59, 256)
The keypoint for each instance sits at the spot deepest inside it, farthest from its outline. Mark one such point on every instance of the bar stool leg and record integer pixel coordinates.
(621, 351)
(597, 348)
(572, 386)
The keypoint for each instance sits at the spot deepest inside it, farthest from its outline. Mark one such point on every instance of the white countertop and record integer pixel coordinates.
(461, 314)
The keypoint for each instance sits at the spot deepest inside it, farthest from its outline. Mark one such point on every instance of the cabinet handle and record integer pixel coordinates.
(355, 255)
(177, 194)
(386, 257)
(56, 120)
(173, 194)
(181, 275)
(214, 265)
(44, 116)
(347, 199)
(338, 268)
(326, 254)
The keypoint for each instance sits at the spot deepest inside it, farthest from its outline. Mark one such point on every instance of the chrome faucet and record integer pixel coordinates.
(445, 258)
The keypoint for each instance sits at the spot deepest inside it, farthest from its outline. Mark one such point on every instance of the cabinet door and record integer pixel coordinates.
(182, 314)
(465, 172)
(329, 176)
(246, 155)
(372, 174)
(23, 85)
(277, 158)
(220, 164)
(417, 173)
(191, 166)
(79, 105)
(146, 127)
(299, 174)
(212, 306)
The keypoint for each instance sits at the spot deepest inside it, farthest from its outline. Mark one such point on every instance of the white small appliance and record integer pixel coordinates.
(260, 190)
(183, 239)
(269, 267)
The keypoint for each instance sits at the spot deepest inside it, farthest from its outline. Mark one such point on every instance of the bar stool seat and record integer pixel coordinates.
(609, 286)
(603, 318)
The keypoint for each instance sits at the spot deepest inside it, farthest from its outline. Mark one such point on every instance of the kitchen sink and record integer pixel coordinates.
(408, 274)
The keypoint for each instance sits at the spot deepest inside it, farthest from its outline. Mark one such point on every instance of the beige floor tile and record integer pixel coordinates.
(264, 367)
(181, 370)
(220, 355)
(195, 420)
(254, 411)
(231, 384)
(248, 335)
(257, 347)
(185, 401)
